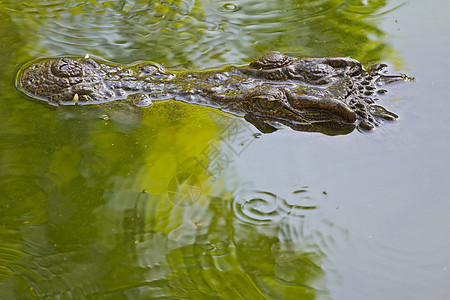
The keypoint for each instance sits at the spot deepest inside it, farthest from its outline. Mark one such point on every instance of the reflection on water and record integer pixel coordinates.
(201, 32)
(295, 246)
(207, 249)
(150, 231)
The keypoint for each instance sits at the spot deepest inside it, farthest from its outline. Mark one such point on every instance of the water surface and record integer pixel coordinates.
(185, 201)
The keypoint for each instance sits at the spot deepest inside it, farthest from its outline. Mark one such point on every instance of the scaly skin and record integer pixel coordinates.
(329, 95)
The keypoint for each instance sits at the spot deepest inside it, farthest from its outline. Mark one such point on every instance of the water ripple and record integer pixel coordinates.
(260, 207)
(299, 219)
(196, 33)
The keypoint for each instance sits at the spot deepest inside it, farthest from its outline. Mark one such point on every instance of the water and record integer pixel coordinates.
(184, 201)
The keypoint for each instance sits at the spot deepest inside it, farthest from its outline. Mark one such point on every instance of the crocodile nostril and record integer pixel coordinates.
(66, 67)
(63, 67)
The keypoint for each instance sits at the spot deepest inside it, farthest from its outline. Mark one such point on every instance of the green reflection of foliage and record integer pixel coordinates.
(326, 28)
(72, 163)
(207, 255)
(202, 33)
(100, 234)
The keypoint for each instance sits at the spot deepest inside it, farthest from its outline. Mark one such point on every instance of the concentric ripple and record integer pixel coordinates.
(260, 207)
(300, 219)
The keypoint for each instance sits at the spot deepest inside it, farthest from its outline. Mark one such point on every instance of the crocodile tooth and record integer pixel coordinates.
(87, 56)
(75, 98)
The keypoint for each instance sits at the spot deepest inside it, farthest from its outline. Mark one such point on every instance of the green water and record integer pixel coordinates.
(185, 202)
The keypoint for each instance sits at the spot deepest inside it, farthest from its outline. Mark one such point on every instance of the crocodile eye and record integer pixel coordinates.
(66, 67)
(265, 98)
(266, 103)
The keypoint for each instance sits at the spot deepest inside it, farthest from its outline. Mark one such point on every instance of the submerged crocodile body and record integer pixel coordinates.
(328, 95)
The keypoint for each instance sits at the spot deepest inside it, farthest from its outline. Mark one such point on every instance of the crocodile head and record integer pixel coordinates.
(329, 95)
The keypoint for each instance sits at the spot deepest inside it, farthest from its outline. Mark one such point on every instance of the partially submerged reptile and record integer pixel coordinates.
(328, 95)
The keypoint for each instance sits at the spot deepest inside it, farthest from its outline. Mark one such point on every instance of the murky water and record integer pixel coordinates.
(186, 202)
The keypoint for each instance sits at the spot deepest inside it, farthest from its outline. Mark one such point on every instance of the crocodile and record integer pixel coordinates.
(331, 95)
